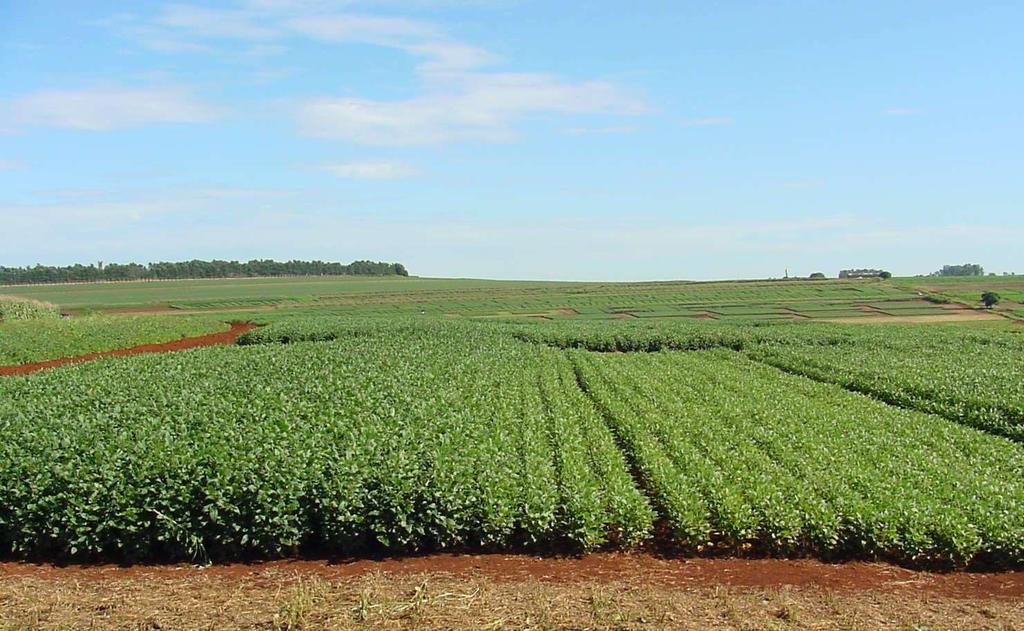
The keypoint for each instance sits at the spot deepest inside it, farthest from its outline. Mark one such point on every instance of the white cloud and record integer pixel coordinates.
(266, 26)
(461, 107)
(416, 37)
(449, 56)
(707, 121)
(204, 22)
(162, 43)
(608, 129)
(26, 219)
(238, 193)
(108, 108)
(459, 101)
(387, 31)
(371, 170)
(9, 165)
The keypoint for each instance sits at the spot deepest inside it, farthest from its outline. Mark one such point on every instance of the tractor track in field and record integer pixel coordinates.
(211, 339)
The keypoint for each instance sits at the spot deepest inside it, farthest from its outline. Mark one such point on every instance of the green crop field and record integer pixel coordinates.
(404, 415)
(345, 435)
(36, 340)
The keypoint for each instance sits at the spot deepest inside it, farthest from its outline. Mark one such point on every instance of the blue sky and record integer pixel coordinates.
(516, 139)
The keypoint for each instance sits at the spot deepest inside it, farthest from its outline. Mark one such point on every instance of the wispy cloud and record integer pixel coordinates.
(387, 31)
(460, 101)
(371, 170)
(418, 38)
(707, 121)
(9, 165)
(205, 22)
(107, 108)
(462, 107)
(608, 129)
(443, 56)
(71, 212)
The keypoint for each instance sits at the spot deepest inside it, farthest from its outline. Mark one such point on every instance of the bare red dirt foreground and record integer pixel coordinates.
(213, 339)
(454, 591)
(604, 566)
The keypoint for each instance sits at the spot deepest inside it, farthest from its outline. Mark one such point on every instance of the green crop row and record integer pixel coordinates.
(976, 380)
(649, 335)
(736, 454)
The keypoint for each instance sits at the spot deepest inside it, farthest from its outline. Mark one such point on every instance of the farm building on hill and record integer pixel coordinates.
(860, 273)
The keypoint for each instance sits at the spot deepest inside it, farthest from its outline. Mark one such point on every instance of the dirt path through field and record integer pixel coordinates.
(212, 339)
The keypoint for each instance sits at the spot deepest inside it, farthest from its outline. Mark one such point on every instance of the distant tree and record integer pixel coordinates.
(886, 274)
(193, 269)
(967, 269)
(990, 299)
(817, 276)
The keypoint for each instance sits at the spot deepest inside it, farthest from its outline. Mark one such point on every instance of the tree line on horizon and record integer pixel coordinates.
(967, 269)
(193, 269)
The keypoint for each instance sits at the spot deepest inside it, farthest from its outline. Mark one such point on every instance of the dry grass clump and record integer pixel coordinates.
(293, 601)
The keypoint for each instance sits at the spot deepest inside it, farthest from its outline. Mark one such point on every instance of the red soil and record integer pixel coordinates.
(605, 566)
(213, 339)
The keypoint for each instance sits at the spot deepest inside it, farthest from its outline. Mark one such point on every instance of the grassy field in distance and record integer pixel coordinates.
(968, 288)
(168, 292)
(751, 300)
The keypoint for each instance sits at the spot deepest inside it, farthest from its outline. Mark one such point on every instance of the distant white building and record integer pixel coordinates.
(860, 273)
